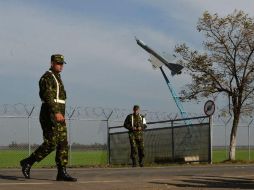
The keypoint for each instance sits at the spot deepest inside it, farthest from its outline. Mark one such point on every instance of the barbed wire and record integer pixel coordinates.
(80, 112)
(115, 114)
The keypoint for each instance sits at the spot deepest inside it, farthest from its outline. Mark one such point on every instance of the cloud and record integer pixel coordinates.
(224, 7)
(105, 66)
(102, 56)
(180, 17)
(29, 40)
(187, 10)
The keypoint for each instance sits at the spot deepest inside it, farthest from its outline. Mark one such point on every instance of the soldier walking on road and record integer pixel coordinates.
(52, 119)
(136, 124)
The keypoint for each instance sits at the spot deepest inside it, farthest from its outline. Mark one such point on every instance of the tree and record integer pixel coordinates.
(225, 66)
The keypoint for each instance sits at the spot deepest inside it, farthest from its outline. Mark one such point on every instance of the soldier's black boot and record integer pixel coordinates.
(141, 163)
(26, 165)
(134, 163)
(62, 175)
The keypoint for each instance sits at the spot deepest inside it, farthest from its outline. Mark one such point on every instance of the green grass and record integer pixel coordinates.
(222, 155)
(11, 158)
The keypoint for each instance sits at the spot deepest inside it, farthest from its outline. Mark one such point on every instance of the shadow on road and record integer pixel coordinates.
(212, 182)
(15, 178)
(8, 177)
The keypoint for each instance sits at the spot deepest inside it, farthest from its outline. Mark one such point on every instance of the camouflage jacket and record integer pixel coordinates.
(132, 122)
(48, 91)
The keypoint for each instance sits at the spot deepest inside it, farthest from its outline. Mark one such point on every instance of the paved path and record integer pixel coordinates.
(173, 177)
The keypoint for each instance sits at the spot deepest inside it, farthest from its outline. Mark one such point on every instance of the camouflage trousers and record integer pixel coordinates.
(55, 138)
(137, 145)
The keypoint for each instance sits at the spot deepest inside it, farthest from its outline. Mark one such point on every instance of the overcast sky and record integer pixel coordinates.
(105, 66)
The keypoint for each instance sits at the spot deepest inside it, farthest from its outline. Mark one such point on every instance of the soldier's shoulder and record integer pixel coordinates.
(129, 116)
(46, 75)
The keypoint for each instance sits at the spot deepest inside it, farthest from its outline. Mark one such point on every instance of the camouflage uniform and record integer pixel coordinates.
(131, 123)
(54, 133)
(53, 96)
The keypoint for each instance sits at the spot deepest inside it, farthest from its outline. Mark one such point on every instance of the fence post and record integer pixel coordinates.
(249, 139)
(28, 130)
(173, 141)
(108, 137)
(225, 135)
(211, 138)
(225, 141)
(70, 140)
(28, 134)
(249, 142)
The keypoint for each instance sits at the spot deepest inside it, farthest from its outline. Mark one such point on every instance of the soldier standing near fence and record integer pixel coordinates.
(53, 96)
(136, 124)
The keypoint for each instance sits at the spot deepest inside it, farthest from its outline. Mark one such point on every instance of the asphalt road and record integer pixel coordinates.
(155, 178)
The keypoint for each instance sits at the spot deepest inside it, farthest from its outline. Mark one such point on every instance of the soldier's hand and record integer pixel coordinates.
(59, 117)
(139, 128)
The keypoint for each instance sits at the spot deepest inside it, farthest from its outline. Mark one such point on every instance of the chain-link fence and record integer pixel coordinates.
(221, 138)
(20, 133)
(166, 142)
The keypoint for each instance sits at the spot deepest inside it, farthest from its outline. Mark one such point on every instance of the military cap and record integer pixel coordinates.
(136, 107)
(58, 58)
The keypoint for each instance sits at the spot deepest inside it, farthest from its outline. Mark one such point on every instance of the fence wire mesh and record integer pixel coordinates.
(166, 142)
(20, 133)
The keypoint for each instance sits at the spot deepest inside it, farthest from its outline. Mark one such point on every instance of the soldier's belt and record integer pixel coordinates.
(57, 101)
